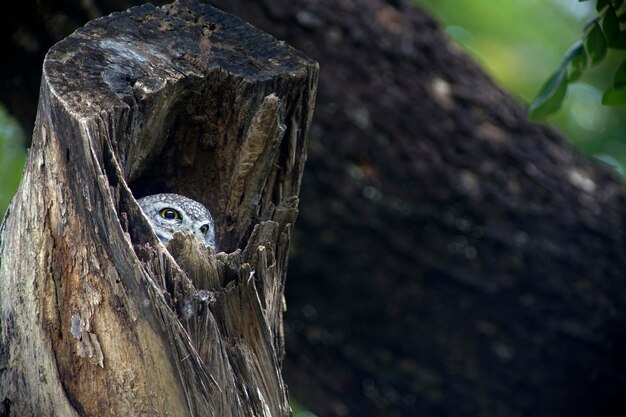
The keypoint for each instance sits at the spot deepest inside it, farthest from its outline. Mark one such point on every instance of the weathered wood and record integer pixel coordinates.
(98, 318)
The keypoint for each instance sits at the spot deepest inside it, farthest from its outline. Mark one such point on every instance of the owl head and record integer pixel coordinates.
(168, 213)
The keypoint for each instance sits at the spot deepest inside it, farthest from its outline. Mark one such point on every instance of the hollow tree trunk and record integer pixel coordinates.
(98, 318)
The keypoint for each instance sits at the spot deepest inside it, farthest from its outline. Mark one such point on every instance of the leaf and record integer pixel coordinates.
(617, 3)
(619, 79)
(550, 97)
(595, 44)
(590, 24)
(601, 3)
(613, 97)
(619, 42)
(622, 17)
(610, 26)
(576, 61)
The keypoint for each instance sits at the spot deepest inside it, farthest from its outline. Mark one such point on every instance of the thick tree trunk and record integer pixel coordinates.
(451, 258)
(98, 318)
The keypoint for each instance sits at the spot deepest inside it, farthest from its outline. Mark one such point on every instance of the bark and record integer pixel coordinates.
(450, 259)
(98, 317)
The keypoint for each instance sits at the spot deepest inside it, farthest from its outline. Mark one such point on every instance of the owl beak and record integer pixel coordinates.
(163, 238)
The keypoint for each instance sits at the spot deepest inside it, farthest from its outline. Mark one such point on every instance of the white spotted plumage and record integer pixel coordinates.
(187, 215)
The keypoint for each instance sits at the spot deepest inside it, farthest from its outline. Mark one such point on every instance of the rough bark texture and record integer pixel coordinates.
(98, 318)
(451, 258)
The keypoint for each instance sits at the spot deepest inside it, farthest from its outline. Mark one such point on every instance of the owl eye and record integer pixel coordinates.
(170, 214)
(204, 229)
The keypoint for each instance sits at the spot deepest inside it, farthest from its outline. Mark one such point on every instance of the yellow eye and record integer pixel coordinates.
(204, 229)
(170, 214)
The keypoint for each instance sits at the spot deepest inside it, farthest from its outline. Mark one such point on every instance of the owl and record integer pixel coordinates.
(169, 213)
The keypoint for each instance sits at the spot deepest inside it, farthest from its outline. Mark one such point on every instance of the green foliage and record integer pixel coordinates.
(551, 95)
(619, 79)
(602, 33)
(576, 60)
(614, 97)
(595, 44)
(298, 410)
(515, 42)
(611, 27)
(12, 157)
(520, 43)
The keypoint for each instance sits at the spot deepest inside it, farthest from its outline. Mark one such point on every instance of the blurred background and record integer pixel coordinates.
(520, 43)
(12, 156)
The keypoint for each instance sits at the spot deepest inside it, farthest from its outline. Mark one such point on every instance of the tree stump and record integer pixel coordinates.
(98, 318)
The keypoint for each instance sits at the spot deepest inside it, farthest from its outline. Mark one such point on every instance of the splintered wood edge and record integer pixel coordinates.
(104, 95)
